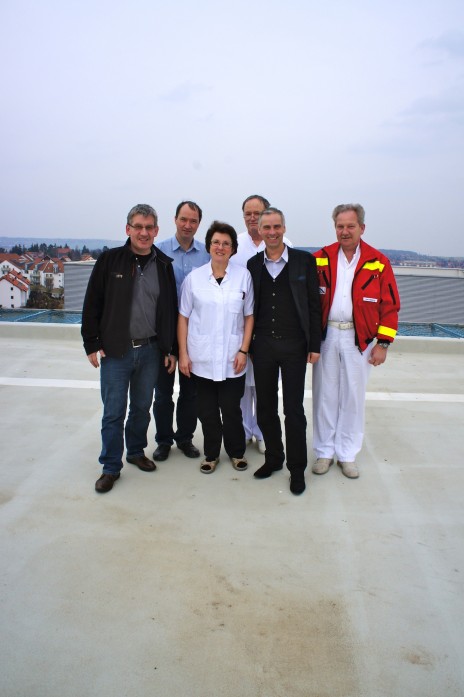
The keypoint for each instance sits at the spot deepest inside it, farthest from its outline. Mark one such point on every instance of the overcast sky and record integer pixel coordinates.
(108, 103)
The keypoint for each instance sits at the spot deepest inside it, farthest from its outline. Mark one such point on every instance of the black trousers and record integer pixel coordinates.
(163, 408)
(216, 400)
(290, 356)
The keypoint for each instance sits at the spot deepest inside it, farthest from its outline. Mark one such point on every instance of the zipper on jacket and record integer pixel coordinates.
(363, 287)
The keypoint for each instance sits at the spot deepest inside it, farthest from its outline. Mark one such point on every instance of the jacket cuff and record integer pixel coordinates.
(92, 347)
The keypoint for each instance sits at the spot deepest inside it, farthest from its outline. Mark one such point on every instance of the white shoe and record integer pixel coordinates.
(349, 469)
(261, 446)
(322, 464)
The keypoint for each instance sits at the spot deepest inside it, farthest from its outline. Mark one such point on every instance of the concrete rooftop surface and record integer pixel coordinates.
(177, 584)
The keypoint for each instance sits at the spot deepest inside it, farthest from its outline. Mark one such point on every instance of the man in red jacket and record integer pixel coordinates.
(360, 305)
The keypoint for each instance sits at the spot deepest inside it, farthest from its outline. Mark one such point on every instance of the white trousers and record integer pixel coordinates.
(339, 394)
(248, 405)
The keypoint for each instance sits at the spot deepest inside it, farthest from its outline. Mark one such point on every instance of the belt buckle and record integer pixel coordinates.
(134, 345)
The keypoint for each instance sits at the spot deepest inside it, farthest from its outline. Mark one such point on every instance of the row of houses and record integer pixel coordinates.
(21, 272)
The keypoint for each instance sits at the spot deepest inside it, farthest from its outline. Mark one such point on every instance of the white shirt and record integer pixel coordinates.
(216, 314)
(247, 248)
(275, 266)
(341, 309)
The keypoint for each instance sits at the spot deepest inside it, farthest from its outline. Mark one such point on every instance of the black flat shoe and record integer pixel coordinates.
(297, 484)
(162, 452)
(266, 470)
(189, 449)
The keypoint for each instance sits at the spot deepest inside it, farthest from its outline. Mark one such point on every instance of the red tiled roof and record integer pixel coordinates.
(13, 259)
(48, 265)
(16, 279)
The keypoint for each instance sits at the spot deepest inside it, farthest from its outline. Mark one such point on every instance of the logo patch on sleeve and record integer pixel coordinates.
(322, 290)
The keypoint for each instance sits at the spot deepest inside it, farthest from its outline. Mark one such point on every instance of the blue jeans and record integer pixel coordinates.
(163, 408)
(136, 372)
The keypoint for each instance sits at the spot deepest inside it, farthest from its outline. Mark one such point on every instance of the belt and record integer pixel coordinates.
(137, 343)
(341, 325)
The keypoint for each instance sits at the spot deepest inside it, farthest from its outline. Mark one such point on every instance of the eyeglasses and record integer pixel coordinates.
(216, 243)
(139, 228)
(253, 214)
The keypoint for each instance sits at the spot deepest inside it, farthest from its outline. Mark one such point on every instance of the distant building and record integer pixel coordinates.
(40, 270)
(418, 264)
(431, 294)
(47, 272)
(63, 252)
(11, 262)
(14, 290)
(76, 278)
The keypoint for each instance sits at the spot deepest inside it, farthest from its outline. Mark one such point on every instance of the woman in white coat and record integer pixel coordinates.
(214, 333)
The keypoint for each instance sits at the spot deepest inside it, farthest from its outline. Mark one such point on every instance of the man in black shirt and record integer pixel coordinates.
(129, 318)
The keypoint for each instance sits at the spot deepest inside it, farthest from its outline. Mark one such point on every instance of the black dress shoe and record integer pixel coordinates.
(188, 449)
(297, 483)
(162, 452)
(105, 483)
(266, 470)
(142, 462)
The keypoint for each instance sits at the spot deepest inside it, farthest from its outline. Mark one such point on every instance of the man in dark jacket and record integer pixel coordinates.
(129, 318)
(287, 336)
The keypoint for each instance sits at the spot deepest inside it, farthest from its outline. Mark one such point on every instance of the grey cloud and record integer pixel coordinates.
(184, 92)
(449, 44)
(429, 124)
(449, 103)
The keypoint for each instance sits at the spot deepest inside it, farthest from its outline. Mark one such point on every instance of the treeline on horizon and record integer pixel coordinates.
(51, 250)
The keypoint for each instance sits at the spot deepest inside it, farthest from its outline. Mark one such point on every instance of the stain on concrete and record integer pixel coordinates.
(418, 657)
(5, 496)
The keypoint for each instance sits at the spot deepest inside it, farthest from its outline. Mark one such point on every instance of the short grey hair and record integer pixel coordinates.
(270, 211)
(142, 209)
(345, 207)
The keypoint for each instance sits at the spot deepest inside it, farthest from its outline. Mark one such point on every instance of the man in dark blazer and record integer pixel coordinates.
(287, 336)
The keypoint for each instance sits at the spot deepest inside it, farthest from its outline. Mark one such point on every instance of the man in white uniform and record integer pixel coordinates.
(249, 244)
(360, 306)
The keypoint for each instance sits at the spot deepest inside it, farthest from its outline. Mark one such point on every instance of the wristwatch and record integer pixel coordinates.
(383, 344)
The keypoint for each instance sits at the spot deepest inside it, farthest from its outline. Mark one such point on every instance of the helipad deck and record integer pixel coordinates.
(180, 585)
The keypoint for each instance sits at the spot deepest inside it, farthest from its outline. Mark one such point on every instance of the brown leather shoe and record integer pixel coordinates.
(142, 462)
(105, 483)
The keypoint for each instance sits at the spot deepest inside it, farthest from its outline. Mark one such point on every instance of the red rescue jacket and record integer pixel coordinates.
(376, 302)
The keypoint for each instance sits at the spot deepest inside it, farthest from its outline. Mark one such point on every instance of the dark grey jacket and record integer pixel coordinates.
(107, 303)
